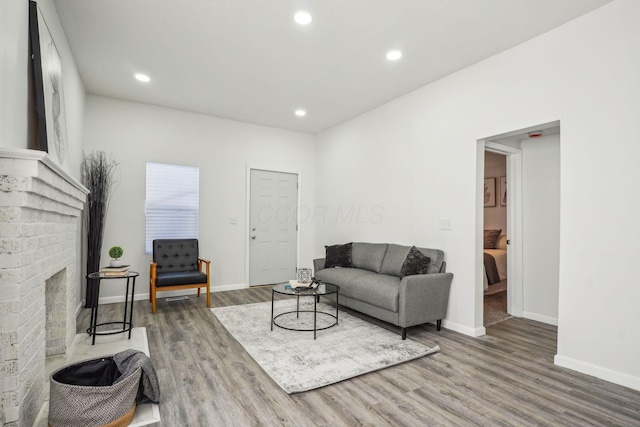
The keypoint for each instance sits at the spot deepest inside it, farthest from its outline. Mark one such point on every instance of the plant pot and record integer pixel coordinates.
(115, 263)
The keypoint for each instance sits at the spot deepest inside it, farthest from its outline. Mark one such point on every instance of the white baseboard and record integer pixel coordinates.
(540, 318)
(229, 287)
(79, 307)
(472, 332)
(145, 296)
(606, 374)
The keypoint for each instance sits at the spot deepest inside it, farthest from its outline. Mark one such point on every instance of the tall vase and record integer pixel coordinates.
(97, 176)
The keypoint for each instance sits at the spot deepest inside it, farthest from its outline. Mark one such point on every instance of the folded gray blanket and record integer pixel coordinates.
(127, 362)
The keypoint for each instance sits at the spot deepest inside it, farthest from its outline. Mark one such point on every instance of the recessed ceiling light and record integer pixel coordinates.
(303, 18)
(142, 77)
(301, 113)
(394, 55)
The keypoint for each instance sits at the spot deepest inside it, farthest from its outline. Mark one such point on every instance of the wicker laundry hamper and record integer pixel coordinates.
(84, 395)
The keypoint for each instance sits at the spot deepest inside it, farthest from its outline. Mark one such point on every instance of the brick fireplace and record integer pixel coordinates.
(40, 217)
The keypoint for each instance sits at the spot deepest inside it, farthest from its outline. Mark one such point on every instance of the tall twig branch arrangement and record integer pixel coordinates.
(97, 176)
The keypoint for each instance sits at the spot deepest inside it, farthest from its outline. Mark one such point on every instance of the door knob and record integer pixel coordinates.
(253, 237)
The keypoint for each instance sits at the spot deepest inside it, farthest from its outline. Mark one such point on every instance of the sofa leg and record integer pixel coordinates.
(439, 324)
(404, 333)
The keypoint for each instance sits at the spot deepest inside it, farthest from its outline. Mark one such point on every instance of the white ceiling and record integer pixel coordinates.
(248, 60)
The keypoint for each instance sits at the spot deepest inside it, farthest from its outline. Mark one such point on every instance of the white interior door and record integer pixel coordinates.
(272, 227)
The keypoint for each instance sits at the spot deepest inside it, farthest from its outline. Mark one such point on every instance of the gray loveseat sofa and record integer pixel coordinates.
(373, 285)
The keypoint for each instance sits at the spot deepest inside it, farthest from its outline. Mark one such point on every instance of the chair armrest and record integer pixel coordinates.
(318, 264)
(205, 261)
(424, 298)
(152, 270)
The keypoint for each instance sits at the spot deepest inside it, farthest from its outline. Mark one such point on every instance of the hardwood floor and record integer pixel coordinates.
(504, 378)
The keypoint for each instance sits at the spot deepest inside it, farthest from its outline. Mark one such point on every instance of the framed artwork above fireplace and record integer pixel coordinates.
(48, 89)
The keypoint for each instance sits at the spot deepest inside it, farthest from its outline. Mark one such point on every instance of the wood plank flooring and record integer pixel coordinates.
(505, 378)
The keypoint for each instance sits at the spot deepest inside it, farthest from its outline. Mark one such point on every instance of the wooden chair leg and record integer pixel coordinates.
(153, 300)
(208, 289)
(198, 292)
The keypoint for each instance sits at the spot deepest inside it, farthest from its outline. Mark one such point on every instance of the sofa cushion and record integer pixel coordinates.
(393, 259)
(368, 256)
(415, 263)
(338, 256)
(338, 276)
(376, 289)
(180, 278)
(381, 290)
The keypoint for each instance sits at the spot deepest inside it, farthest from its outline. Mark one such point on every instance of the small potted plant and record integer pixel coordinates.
(115, 252)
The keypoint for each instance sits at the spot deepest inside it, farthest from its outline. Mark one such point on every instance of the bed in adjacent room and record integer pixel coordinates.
(495, 257)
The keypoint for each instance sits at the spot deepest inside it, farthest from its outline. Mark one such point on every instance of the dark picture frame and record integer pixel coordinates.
(503, 191)
(489, 192)
(51, 126)
(40, 125)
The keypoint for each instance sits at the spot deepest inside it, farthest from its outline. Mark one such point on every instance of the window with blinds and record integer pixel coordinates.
(172, 202)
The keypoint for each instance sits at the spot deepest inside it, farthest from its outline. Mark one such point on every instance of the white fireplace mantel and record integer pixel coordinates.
(26, 165)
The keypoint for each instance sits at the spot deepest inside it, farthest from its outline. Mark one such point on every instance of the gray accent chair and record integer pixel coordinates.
(373, 286)
(176, 265)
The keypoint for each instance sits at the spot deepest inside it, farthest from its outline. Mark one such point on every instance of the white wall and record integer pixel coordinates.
(134, 134)
(496, 217)
(541, 228)
(14, 62)
(599, 169)
(14, 57)
(416, 158)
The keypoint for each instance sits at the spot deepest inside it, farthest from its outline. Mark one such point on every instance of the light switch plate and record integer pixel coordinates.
(445, 224)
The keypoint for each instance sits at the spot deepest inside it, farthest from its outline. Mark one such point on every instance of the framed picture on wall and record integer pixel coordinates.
(49, 95)
(503, 191)
(489, 192)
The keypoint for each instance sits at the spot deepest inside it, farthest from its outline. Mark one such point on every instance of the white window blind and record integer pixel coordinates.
(172, 202)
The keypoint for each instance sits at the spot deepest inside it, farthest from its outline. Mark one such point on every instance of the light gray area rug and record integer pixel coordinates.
(297, 362)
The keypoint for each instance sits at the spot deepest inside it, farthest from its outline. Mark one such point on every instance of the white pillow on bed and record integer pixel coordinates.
(502, 242)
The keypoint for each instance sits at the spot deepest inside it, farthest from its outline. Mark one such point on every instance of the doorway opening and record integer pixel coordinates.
(495, 238)
(530, 230)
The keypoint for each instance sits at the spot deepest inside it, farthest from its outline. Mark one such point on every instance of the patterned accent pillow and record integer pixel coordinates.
(491, 238)
(338, 256)
(415, 263)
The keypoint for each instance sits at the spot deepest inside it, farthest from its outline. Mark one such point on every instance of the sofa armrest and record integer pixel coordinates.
(318, 264)
(424, 298)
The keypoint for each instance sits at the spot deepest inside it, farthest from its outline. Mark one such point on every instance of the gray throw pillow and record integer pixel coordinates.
(415, 263)
(338, 256)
